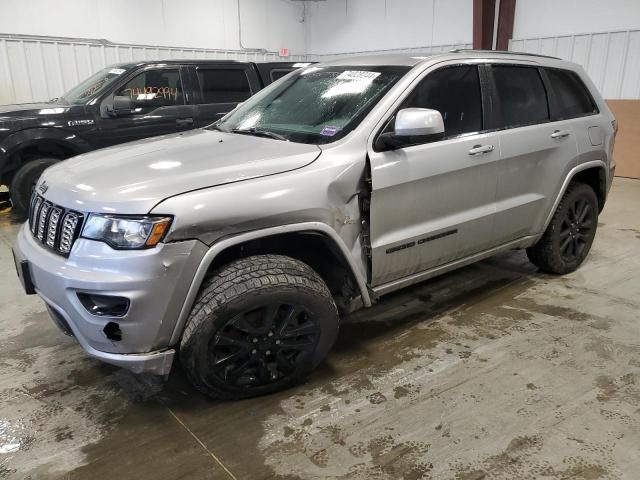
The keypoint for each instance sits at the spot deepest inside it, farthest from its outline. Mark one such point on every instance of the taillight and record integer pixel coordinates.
(614, 124)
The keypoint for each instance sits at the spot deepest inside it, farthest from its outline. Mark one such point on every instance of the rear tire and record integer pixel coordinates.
(259, 325)
(569, 236)
(25, 180)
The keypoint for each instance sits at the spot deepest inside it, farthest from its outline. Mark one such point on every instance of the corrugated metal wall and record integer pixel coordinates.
(612, 59)
(40, 68)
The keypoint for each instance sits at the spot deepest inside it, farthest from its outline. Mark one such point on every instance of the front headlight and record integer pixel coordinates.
(126, 232)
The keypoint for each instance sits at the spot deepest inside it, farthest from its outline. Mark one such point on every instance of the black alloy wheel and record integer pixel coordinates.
(576, 230)
(263, 345)
(260, 324)
(568, 238)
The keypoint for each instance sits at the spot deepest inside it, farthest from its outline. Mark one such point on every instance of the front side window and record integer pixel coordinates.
(316, 105)
(224, 85)
(455, 93)
(521, 94)
(573, 99)
(154, 89)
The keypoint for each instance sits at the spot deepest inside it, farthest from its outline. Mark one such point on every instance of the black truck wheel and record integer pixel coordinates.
(569, 236)
(259, 325)
(25, 179)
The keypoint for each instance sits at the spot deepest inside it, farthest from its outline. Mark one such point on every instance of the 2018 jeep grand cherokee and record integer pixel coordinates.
(122, 103)
(239, 246)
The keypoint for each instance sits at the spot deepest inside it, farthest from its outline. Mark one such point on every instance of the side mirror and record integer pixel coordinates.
(413, 126)
(121, 106)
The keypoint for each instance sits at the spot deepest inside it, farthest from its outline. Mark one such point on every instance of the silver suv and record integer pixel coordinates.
(238, 246)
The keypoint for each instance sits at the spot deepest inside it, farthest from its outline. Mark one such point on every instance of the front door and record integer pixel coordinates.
(434, 203)
(159, 107)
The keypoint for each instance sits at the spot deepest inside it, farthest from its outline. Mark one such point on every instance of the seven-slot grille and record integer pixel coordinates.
(54, 226)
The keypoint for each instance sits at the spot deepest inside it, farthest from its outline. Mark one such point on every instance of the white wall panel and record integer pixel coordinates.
(612, 59)
(210, 24)
(40, 68)
(338, 27)
(551, 18)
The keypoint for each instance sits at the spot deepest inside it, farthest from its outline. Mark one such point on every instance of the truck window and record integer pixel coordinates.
(572, 97)
(224, 85)
(455, 93)
(154, 88)
(521, 94)
(277, 74)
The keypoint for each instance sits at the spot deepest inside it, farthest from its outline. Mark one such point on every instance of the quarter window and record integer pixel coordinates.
(455, 93)
(522, 97)
(154, 88)
(572, 97)
(224, 85)
(277, 74)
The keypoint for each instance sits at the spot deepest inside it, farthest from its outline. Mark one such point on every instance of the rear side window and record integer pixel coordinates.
(572, 97)
(224, 85)
(521, 94)
(279, 73)
(455, 93)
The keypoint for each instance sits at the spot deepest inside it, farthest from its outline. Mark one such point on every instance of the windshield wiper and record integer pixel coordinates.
(260, 133)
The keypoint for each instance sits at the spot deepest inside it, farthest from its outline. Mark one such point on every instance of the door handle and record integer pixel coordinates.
(481, 149)
(184, 122)
(560, 134)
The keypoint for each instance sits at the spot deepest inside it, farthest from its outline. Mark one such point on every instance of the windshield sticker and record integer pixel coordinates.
(329, 131)
(359, 75)
(117, 71)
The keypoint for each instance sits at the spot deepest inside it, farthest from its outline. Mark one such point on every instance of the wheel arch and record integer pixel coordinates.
(278, 240)
(45, 142)
(594, 174)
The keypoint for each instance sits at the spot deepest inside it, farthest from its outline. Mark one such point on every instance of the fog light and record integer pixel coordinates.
(104, 305)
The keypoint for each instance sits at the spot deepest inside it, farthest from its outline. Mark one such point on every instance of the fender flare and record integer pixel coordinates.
(572, 173)
(222, 245)
(31, 136)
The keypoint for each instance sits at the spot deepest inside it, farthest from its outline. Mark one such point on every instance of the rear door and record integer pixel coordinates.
(220, 88)
(160, 106)
(535, 151)
(433, 203)
(571, 101)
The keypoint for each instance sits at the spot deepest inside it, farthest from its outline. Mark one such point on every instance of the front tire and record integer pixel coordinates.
(570, 234)
(259, 325)
(25, 179)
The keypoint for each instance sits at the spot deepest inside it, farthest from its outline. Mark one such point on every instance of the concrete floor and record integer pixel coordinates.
(493, 371)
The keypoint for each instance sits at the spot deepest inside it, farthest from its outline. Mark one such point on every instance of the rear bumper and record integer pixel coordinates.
(155, 281)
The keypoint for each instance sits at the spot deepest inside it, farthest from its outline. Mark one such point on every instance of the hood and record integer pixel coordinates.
(11, 112)
(132, 178)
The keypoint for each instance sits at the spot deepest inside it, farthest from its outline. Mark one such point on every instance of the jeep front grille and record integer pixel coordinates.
(55, 227)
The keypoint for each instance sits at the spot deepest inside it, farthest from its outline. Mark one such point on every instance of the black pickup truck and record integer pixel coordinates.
(122, 103)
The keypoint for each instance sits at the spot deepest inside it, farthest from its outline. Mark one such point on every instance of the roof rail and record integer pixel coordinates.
(504, 52)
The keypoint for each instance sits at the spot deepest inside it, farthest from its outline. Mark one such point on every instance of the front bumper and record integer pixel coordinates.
(156, 282)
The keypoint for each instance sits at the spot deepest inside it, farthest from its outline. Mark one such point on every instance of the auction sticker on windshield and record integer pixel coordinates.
(329, 131)
(117, 71)
(358, 75)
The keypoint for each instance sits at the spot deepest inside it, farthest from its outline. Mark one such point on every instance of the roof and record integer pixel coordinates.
(413, 59)
(199, 61)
